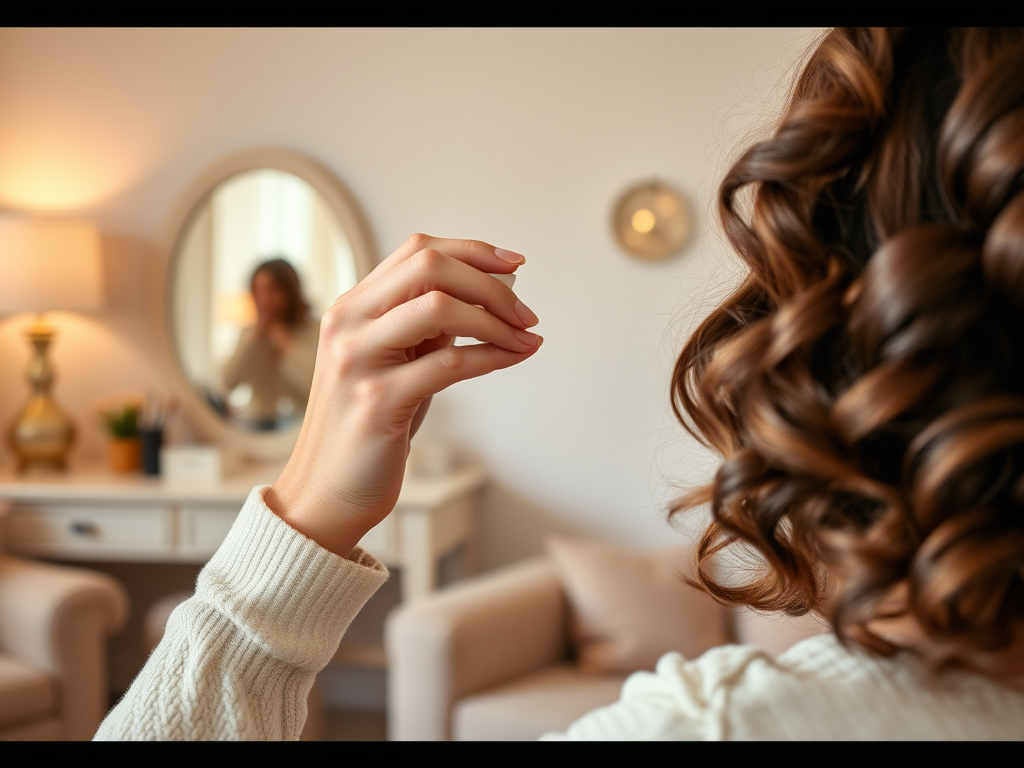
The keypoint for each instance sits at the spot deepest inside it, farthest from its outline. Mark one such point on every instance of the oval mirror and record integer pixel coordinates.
(268, 244)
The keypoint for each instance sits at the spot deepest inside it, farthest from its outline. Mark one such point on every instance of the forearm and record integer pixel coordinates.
(238, 659)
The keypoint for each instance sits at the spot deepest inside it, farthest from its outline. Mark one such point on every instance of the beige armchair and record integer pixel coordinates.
(490, 659)
(54, 624)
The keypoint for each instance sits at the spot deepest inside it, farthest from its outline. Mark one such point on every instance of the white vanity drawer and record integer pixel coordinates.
(87, 532)
(203, 529)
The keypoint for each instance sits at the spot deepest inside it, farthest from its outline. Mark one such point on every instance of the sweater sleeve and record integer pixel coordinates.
(238, 659)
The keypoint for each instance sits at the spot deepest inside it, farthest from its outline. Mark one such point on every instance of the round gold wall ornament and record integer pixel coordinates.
(652, 220)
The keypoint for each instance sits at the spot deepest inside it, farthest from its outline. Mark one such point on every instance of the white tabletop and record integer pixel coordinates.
(96, 483)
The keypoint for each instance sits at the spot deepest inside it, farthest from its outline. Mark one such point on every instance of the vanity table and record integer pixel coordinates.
(264, 238)
(90, 514)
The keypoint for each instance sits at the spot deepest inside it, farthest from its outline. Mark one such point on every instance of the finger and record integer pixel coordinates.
(434, 372)
(432, 270)
(476, 253)
(432, 345)
(435, 314)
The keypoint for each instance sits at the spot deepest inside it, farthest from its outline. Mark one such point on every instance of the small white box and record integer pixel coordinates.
(508, 280)
(194, 463)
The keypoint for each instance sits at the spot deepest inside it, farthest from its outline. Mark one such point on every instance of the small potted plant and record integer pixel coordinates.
(121, 418)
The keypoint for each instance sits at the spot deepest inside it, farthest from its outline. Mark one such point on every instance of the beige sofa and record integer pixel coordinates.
(54, 625)
(490, 658)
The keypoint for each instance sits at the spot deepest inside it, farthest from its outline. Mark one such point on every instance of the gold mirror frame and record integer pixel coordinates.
(652, 221)
(199, 414)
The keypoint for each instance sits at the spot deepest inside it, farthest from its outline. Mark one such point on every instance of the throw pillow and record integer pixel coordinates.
(630, 608)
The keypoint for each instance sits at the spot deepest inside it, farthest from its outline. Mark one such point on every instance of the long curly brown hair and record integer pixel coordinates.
(865, 383)
(288, 282)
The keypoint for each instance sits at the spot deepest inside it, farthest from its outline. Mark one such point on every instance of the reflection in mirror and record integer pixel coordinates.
(259, 261)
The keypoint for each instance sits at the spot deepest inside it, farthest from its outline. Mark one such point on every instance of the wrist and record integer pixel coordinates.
(313, 520)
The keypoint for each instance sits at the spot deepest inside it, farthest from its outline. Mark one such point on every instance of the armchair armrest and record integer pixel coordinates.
(468, 638)
(58, 619)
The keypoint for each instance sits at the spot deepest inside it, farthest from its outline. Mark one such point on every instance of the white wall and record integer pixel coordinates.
(522, 138)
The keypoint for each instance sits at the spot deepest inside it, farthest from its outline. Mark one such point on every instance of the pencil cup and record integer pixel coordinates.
(151, 440)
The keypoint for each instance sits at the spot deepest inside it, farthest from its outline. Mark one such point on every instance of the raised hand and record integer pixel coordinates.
(385, 348)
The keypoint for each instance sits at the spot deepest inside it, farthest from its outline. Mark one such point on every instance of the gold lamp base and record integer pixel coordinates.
(42, 435)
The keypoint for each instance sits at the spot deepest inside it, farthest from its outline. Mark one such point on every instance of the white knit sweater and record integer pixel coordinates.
(815, 690)
(238, 659)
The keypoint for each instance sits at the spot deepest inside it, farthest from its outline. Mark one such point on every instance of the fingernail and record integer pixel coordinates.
(526, 337)
(510, 256)
(526, 314)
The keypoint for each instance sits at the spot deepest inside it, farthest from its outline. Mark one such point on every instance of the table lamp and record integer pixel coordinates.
(46, 265)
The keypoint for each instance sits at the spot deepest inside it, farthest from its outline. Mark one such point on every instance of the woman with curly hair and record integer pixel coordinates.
(276, 355)
(864, 387)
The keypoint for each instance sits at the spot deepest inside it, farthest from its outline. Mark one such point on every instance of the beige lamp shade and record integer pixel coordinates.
(49, 265)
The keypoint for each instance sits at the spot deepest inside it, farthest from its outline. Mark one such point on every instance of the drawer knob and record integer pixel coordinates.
(84, 529)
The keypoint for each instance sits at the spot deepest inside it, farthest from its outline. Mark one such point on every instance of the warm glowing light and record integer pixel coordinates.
(651, 220)
(236, 309)
(643, 221)
(666, 205)
(58, 162)
(49, 264)
(60, 183)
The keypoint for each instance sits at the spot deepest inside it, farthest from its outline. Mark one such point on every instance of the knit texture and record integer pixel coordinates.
(816, 690)
(238, 659)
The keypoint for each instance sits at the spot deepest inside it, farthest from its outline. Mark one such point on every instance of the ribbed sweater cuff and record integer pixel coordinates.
(284, 590)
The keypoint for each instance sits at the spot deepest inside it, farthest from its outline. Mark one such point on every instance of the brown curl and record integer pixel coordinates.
(287, 280)
(865, 383)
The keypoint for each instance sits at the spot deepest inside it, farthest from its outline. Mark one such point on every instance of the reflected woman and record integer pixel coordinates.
(276, 355)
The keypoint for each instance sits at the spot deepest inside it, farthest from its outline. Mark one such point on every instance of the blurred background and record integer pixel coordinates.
(524, 138)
